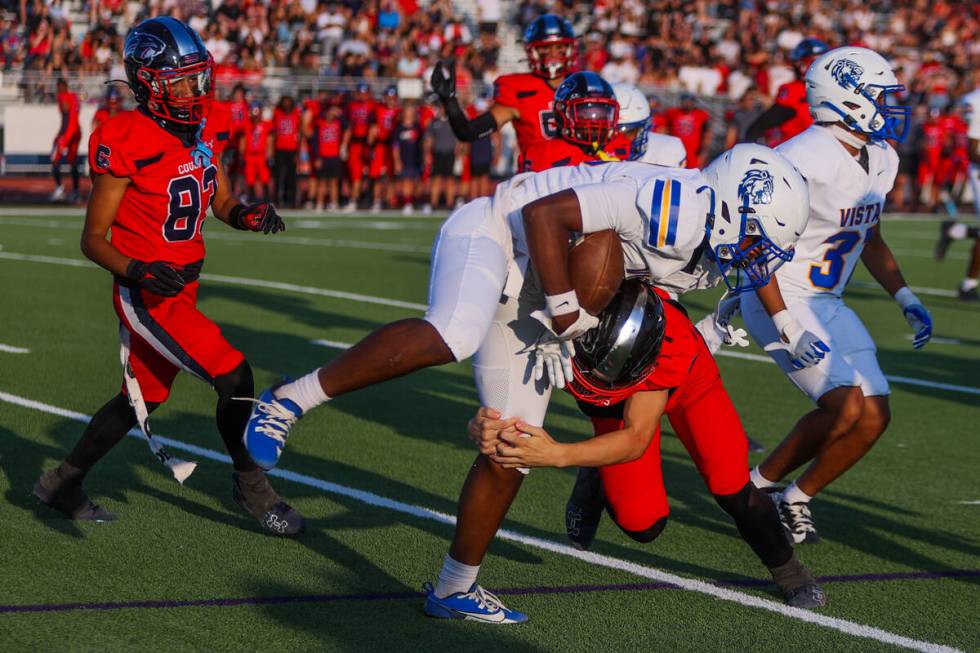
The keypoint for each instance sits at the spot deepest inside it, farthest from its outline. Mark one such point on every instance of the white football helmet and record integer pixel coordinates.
(634, 113)
(760, 207)
(857, 87)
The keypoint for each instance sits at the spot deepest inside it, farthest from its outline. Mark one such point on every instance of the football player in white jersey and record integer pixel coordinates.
(849, 168)
(641, 144)
(950, 230)
(481, 300)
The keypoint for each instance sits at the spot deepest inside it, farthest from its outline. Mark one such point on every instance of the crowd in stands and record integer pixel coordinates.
(731, 49)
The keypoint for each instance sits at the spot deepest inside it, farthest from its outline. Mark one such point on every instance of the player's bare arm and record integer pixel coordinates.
(107, 194)
(881, 263)
(534, 447)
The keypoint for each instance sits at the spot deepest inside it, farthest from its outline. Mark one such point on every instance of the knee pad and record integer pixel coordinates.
(236, 383)
(648, 534)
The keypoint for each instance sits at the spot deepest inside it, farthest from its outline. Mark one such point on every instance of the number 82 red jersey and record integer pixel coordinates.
(163, 209)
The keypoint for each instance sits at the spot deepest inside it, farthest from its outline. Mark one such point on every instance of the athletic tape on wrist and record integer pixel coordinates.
(562, 304)
(905, 297)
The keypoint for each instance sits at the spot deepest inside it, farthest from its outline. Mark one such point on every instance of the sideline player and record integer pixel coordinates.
(691, 124)
(256, 148)
(646, 360)
(157, 170)
(381, 170)
(328, 132)
(951, 230)
(522, 98)
(110, 107)
(790, 113)
(360, 114)
(65, 148)
(849, 168)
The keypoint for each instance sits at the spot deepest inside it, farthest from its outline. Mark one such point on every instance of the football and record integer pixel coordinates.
(595, 264)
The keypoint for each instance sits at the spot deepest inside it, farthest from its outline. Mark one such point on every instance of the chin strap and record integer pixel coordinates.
(847, 136)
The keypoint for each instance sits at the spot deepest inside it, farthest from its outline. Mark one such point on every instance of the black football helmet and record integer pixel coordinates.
(586, 111)
(549, 42)
(612, 358)
(170, 71)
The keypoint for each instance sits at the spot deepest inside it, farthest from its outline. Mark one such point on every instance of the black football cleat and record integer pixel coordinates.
(807, 597)
(68, 498)
(798, 521)
(255, 496)
(970, 295)
(945, 240)
(798, 586)
(583, 512)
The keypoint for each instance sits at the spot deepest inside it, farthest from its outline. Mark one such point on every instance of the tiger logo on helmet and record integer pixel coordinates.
(756, 187)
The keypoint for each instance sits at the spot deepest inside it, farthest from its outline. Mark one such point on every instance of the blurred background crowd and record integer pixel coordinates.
(731, 55)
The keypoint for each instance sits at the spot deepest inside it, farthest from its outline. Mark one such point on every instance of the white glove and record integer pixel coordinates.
(583, 323)
(716, 335)
(805, 349)
(555, 356)
(728, 307)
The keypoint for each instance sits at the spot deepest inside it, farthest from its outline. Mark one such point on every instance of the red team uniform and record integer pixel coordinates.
(382, 157)
(328, 132)
(360, 114)
(160, 218)
(689, 127)
(554, 153)
(792, 95)
(533, 97)
(70, 134)
(256, 153)
(931, 166)
(702, 415)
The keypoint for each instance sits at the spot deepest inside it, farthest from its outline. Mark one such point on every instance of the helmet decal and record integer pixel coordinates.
(756, 187)
(144, 48)
(846, 72)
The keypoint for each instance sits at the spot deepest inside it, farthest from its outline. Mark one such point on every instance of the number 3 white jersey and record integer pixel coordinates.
(846, 203)
(659, 213)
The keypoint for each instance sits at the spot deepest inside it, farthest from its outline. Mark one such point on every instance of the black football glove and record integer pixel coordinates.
(158, 277)
(257, 217)
(444, 79)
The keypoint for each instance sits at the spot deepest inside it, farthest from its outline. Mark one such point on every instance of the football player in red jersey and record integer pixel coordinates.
(790, 113)
(156, 171)
(586, 114)
(110, 107)
(65, 148)
(645, 360)
(381, 139)
(523, 98)
(256, 147)
(286, 139)
(360, 114)
(931, 157)
(328, 132)
(690, 123)
(234, 155)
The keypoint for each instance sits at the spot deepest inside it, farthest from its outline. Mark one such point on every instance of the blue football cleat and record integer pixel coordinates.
(268, 427)
(475, 605)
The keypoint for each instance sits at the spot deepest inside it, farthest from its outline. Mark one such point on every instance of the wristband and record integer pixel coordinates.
(235, 217)
(786, 324)
(905, 297)
(562, 304)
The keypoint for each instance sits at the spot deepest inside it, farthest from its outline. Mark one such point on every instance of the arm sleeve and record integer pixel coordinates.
(773, 117)
(465, 129)
(609, 205)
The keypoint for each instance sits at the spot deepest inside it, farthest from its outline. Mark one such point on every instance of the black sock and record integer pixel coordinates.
(74, 177)
(232, 414)
(973, 232)
(758, 523)
(56, 172)
(109, 425)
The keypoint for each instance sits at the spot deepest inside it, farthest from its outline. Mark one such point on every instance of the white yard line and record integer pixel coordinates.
(369, 299)
(10, 349)
(643, 571)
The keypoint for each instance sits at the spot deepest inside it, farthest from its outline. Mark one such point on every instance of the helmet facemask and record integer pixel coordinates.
(638, 144)
(180, 95)
(587, 121)
(551, 58)
(750, 261)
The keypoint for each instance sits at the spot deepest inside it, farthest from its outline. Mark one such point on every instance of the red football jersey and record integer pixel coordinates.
(285, 127)
(555, 153)
(164, 207)
(257, 141)
(101, 115)
(69, 106)
(328, 134)
(386, 118)
(533, 97)
(239, 123)
(793, 96)
(933, 136)
(359, 117)
(688, 126)
(681, 346)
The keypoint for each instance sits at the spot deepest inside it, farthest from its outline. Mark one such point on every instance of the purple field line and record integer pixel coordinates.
(518, 591)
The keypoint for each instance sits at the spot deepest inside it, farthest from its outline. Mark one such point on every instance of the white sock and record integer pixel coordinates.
(794, 494)
(305, 392)
(759, 480)
(968, 284)
(957, 231)
(455, 577)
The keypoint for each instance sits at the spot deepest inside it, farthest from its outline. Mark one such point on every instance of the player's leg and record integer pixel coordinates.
(374, 173)
(950, 231)
(56, 159)
(503, 372)
(469, 268)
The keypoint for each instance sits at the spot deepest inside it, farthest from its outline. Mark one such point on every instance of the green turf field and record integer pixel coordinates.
(374, 472)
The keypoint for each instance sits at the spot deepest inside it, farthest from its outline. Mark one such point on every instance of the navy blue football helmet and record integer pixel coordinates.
(549, 42)
(586, 110)
(807, 50)
(170, 71)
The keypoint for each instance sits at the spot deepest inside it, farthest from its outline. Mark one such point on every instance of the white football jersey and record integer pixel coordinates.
(846, 203)
(659, 213)
(665, 150)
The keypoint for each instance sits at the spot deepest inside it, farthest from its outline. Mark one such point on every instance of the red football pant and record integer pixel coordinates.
(169, 334)
(355, 161)
(256, 170)
(382, 162)
(65, 152)
(706, 422)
